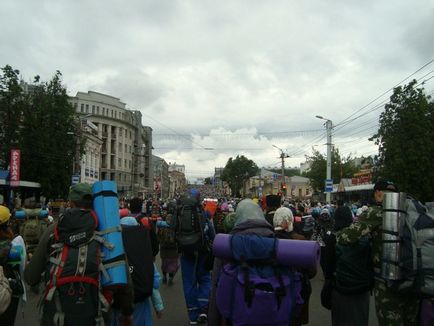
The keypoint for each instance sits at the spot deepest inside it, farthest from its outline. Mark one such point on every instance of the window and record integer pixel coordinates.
(93, 109)
(120, 131)
(125, 161)
(111, 113)
(125, 134)
(119, 163)
(82, 107)
(116, 115)
(126, 149)
(120, 148)
(130, 135)
(97, 110)
(87, 108)
(103, 111)
(129, 163)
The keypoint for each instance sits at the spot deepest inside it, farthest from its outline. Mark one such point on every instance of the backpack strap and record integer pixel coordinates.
(280, 291)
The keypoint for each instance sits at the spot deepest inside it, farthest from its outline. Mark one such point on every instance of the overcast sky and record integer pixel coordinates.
(215, 79)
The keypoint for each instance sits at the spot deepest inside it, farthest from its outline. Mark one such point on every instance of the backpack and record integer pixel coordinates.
(416, 254)
(188, 229)
(73, 291)
(354, 268)
(138, 248)
(252, 289)
(31, 231)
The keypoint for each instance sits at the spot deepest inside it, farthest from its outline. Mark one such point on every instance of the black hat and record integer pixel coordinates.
(272, 200)
(384, 185)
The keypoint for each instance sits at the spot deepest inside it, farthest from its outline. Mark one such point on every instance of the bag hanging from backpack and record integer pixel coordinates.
(414, 245)
(189, 232)
(138, 248)
(255, 290)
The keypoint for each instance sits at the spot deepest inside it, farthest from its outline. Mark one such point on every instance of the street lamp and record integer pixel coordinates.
(329, 127)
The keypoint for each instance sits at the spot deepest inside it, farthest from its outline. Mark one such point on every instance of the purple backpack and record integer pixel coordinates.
(253, 289)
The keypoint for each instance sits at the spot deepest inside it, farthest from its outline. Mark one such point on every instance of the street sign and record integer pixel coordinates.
(75, 179)
(328, 185)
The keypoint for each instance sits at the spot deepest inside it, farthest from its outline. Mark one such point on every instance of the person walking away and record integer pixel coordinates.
(323, 225)
(392, 307)
(74, 297)
(194, 233)
(272, 203)
(168, 247)
(137, 244)
(283, 222)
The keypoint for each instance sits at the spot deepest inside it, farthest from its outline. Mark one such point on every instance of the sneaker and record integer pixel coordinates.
(193, 322)
(202, 318)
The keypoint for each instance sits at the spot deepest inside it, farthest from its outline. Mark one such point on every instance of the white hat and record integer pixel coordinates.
(283, 214)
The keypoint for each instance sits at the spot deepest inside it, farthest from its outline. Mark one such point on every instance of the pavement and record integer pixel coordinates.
(175, 312)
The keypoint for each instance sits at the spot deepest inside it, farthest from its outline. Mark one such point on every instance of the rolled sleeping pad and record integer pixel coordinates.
(106, 207)
(20, 215)
(124, 212)
(295, 253)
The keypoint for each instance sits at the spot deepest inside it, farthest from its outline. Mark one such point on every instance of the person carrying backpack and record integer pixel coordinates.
(252, 288)
(194, 233)
(145, 277)
(168, 246)
(283, 223)
(70, 255)
(392, 307)
(33, 227)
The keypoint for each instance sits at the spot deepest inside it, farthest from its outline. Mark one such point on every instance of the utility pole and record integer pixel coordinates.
(282, 157)
(329, 181)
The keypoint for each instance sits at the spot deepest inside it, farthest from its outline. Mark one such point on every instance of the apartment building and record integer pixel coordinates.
(126, 147)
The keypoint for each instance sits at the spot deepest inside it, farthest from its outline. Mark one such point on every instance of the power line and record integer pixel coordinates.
(384, 93)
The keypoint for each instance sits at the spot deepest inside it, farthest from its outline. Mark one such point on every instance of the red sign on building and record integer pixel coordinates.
(15, 167)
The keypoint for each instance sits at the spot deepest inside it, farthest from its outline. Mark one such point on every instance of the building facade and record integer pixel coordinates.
(177, 183)
(161, 177)
(126, 147)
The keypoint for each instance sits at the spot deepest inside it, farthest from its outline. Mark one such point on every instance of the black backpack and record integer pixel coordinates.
(189, 231)
(73, 291)
(354, 268)
(138, 248)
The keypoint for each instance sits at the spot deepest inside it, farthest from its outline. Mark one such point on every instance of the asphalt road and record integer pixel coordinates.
(175, 312)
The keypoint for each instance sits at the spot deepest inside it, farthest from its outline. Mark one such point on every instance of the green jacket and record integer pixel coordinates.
(369, 224)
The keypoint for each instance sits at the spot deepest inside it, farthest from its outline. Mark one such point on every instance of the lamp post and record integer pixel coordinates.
(329, 127)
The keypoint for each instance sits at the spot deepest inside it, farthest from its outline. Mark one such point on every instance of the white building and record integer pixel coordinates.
(126, 147)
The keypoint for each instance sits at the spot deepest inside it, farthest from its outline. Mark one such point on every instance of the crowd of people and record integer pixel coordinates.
(60, 258)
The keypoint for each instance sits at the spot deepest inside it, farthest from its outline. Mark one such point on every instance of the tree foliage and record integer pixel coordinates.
(237, 171)
(342, 167)
(42, 124)
(406, 141)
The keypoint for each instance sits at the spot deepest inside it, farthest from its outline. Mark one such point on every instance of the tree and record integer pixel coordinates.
(406, 142)
(341, 168)
(43, 125)
(12, 100)
(237, 171)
